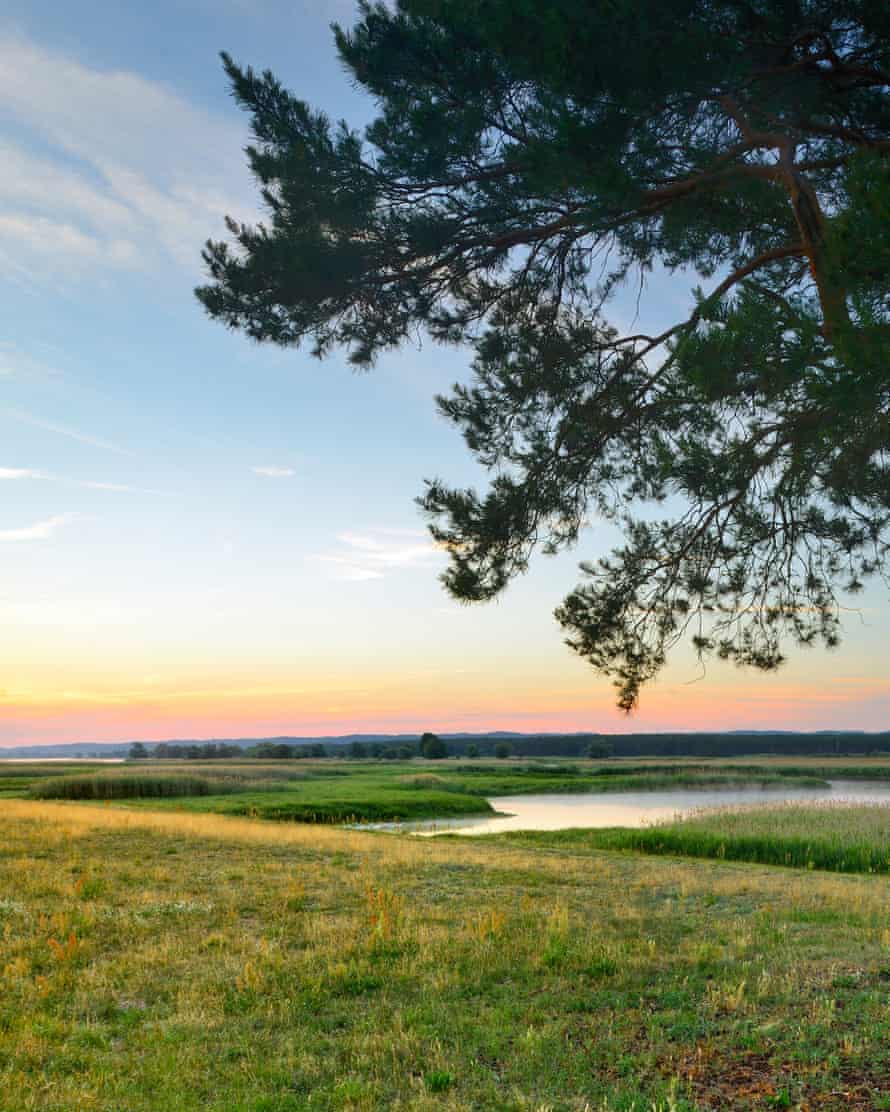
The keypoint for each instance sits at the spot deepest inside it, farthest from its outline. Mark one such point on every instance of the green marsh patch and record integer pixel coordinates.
(340, 791)
(131, 786)
(828, 835)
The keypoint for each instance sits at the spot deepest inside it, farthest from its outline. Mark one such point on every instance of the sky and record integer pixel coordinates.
(201, 537)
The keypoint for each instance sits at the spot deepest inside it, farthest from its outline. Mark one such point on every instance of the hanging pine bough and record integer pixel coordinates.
(527, 160)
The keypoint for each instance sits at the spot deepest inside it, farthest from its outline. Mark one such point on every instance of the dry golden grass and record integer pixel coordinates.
(171, 962)
(60, 822)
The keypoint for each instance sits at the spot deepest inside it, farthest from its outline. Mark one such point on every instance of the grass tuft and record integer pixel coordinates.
(830, 835)
(130, 786)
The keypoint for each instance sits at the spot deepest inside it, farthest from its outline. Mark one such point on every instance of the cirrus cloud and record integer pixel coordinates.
(106, 169)
(365, 556)
(271, 472)
(40, 530)
(9, 473)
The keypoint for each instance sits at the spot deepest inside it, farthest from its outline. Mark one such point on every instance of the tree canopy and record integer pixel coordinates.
(432, 747)
(529, 159)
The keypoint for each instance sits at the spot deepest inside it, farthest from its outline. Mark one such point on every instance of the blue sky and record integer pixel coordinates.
(199, 536)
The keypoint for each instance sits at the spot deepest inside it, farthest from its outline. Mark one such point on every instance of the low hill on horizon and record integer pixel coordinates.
(665, 743)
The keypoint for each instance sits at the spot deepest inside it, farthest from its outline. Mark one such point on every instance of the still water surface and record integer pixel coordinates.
(590, 809)
(62, 760)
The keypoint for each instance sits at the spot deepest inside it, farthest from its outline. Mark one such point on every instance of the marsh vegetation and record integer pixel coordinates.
(832, 835)
(385, 791)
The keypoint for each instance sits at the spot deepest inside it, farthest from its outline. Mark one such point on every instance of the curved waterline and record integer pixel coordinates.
(634, 809)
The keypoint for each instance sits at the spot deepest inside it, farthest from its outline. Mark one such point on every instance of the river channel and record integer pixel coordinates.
(598, 809)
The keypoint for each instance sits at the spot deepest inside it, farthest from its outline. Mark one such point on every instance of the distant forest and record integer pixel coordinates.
(547, 745)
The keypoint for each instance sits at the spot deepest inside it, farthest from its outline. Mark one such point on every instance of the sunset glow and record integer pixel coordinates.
(204, 538)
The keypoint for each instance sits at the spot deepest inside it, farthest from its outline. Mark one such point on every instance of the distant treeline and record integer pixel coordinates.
(746, 745)
(685, 745)
(213, 750)
(574, 745)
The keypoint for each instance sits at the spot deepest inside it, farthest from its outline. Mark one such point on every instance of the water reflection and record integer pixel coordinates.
(559, 812)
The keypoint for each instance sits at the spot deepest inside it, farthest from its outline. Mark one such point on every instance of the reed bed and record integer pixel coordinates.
(238, 769)
(132, 786)
(15, 770)
(830, 834)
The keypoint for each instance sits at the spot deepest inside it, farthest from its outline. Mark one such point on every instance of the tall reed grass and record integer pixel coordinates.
(131, 786)
(831, 835)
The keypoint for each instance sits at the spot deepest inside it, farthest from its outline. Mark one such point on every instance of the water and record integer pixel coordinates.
(590, 809)
(62, 760)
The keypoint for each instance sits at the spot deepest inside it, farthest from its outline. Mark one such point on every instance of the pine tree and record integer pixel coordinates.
(529, 159)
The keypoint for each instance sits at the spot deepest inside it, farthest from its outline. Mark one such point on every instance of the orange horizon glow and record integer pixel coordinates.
(447, 707)
(477, 674)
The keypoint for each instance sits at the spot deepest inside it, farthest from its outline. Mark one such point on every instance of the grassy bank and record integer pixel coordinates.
(351, 795)
(135, 785)
(375, 804)
(835, 836)
(16, 778)
(178, 962)
(367, 791)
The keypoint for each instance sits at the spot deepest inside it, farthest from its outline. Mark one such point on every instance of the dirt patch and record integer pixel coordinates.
(714, 1080)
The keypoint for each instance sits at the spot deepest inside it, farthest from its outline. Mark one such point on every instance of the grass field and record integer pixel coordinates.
(338, 791)
(168, 961)
(834, 836)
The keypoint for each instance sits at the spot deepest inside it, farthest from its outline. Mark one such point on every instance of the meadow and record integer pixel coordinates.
(380, 791)
(156, 954)
(163, 961)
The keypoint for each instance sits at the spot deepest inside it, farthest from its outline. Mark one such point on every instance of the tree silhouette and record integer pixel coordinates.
(528, 160)
(433, 747)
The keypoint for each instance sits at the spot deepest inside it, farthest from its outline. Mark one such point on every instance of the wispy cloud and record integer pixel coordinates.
(350, 571)
(116, 488)
(22, 364)
(44, 236)
(124, 173)
(14, 473)
(365, 556)
(26, 418)
(274, 472)
(39, 531)
(20, 473)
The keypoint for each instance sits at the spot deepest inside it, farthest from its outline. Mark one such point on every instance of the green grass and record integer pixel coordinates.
(132, 785)
(332, 803)
(16, 778)
(382, 791)
(873, 771)
(248, 771)
(158, 962)
(834, 836)
(369, 791)
(521, 779)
